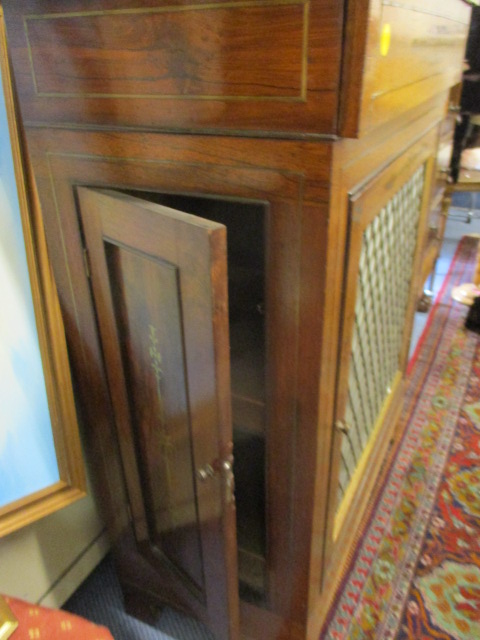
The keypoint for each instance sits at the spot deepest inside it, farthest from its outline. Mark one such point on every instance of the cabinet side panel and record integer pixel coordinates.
(414, 52)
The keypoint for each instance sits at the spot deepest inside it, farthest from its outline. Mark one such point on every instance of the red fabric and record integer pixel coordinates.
(40, 623)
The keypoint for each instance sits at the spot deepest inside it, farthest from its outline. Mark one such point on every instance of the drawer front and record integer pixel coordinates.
(238, 65)
(415, 51)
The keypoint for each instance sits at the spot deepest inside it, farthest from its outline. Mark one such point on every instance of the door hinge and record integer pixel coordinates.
(86, 262)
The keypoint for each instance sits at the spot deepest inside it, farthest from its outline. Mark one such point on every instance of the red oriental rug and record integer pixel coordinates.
(415, 572)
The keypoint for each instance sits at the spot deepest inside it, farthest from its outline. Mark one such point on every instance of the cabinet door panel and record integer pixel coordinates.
(159, 284)
(387, 213)
(240, 171)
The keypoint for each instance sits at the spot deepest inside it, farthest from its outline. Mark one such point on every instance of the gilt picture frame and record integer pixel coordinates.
(57, 478)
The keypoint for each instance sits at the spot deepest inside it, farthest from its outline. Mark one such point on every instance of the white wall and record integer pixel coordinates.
(46, 561)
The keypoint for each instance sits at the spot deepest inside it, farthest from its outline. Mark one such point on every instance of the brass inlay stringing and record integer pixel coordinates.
(166, 9)
(164, 439)
(177, 9)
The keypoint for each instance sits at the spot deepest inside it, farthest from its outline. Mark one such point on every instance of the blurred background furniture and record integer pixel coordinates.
(458, 160)
(467, 130)
(468, 183)
(465, 162)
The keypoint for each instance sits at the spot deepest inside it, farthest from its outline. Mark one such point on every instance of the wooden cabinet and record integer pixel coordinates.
(236, 304)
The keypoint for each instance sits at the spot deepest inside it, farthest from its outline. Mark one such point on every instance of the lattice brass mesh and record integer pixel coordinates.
(383, 286)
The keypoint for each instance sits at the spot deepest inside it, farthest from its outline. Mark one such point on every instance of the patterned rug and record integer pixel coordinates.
(415, 572)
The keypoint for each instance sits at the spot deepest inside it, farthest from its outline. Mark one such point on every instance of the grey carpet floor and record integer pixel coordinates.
(99, 599)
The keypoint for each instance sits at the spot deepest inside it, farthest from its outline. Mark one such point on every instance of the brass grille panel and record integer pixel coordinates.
(385, 272)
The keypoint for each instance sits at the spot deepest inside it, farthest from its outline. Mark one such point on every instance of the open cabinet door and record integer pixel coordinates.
(159, 281)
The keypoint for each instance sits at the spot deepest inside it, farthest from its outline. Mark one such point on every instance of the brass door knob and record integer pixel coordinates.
(342, 426)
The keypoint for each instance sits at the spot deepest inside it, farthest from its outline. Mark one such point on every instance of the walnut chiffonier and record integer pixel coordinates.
(236, 195)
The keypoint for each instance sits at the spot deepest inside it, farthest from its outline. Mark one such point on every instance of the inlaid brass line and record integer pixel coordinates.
(175, 9)
(30, 55)
(244, 167)
(164, 439)
(157, 96)
(166, 9)
(306, 27)
(156, 362)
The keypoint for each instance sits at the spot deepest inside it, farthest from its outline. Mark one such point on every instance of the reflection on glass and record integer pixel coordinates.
(27, 454)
